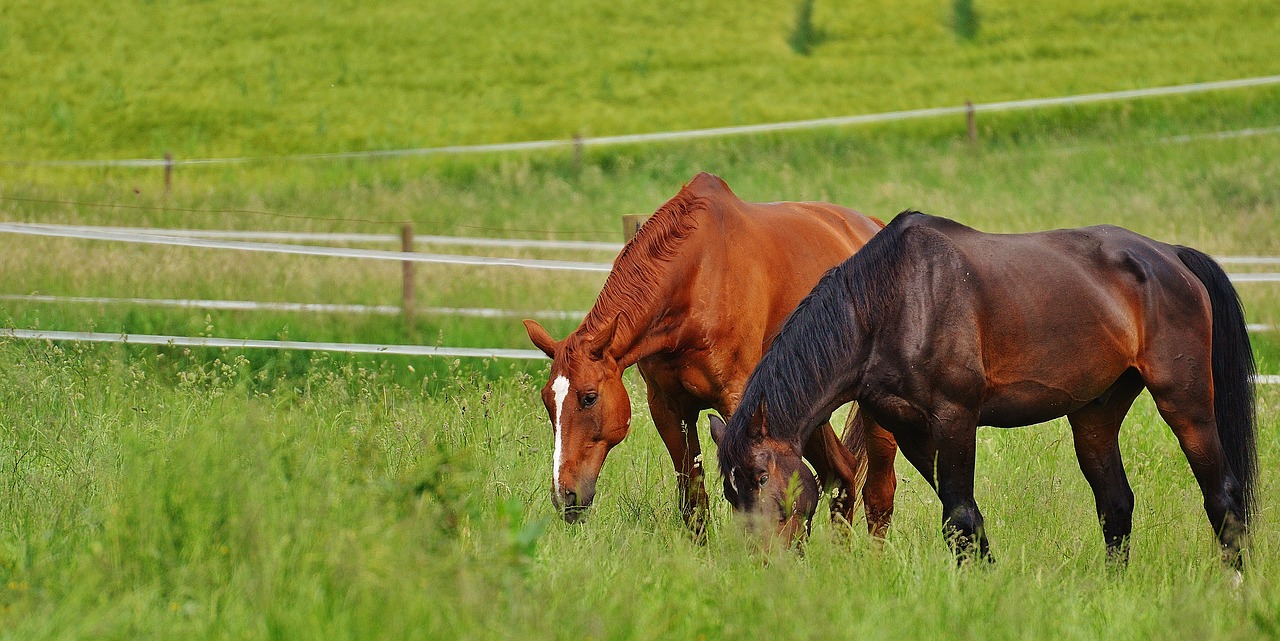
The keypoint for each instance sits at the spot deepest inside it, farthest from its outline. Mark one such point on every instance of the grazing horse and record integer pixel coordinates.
(935, 328)
(664, 308)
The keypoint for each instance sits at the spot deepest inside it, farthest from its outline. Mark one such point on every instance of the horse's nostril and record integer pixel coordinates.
(570, 499)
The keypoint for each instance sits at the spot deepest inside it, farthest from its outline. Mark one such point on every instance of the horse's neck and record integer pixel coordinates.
(649, 319)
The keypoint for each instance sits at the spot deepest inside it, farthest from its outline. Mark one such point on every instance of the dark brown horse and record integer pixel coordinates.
(935, 328)
(663, 308)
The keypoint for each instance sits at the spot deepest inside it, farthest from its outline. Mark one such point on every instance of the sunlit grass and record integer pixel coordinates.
(147, 498)
(142, 78)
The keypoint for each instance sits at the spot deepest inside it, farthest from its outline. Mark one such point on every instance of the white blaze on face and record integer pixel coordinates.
(560, 387)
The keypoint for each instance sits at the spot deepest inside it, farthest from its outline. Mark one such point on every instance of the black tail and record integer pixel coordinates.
(1233, 369)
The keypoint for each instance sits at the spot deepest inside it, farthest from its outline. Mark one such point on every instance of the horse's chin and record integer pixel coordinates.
(576, 514)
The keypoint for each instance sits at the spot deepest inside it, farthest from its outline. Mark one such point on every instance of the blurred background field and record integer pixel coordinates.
(161, 492)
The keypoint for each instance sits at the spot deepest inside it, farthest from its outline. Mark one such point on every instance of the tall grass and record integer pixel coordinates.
(228, 501)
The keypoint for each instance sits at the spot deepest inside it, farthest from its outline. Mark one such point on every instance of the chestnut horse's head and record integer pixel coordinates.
(589, 409)
(765, 479)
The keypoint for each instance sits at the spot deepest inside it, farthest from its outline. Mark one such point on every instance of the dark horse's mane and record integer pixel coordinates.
(643, 261)
(849, 300)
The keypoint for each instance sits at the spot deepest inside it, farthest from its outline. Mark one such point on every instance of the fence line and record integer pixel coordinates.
(712, 132)
(92, 231)
(1267, 277)
(385, 310)
(345, 237)
(306, 250)
(346, 348)
(1248, 260)
(376, 254)
(249, 305)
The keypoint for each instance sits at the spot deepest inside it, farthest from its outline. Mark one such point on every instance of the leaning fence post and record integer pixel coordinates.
(971, 122)
(406, 268)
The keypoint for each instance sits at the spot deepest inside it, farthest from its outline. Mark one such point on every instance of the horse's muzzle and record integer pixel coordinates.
(573, 504)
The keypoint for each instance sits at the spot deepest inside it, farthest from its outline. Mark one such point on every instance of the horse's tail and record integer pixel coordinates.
(1233, 370)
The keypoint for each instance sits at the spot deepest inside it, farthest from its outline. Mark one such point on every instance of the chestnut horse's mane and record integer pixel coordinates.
(644, 261)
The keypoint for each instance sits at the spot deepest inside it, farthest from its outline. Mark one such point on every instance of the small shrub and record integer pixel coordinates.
(803, 35)
(964, 19)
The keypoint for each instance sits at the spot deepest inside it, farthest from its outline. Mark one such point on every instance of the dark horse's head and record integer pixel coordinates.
(589, 409)
(765, 478)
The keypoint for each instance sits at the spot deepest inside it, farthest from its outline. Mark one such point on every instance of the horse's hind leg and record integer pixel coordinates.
(1096, 430)
(862, 433)
(839, 467)
(1186, 404)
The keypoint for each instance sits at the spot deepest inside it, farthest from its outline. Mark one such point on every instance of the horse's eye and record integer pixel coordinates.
(763, 480)
(589, 399)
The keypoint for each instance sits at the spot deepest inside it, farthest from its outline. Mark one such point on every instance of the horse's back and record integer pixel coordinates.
(776, 253)
(1056, 314)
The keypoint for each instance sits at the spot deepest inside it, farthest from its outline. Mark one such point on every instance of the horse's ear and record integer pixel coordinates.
(541, 339)
(763, 418)
(717, 428)
(602, 338)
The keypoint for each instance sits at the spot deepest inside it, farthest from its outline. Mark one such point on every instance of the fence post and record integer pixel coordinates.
(168, 172)
(631, 224)
(971, 122)
(577, 151)
(407, 304)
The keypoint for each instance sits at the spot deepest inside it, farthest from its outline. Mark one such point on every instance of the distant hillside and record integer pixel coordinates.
(125, 79)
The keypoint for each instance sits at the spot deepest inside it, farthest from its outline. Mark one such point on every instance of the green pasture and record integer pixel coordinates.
(1110, 164)
(200, 493)
(146, 77)
(148, 496)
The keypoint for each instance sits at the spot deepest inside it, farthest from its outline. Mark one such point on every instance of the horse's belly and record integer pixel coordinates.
(1030, 402)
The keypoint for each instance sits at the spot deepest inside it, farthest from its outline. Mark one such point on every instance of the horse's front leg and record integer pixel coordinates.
(677, 422)
(944, 453)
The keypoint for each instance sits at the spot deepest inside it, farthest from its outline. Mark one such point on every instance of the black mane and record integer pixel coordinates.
(818, 337)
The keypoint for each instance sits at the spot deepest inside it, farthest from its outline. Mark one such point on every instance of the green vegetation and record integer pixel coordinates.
(964, 19)
(151, 497)
(161, 493)
(144, 77)
(803, 34)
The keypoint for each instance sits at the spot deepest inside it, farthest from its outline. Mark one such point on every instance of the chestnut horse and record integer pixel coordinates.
(935, 328)
(663, 308)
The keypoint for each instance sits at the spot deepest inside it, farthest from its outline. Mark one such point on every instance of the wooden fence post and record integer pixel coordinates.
(631, 224)
(168, 172)
(971, 122)
(407, 304)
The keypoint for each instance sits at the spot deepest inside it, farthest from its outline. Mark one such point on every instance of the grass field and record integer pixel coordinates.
(162, 493)
(152, 497)
(142, 78)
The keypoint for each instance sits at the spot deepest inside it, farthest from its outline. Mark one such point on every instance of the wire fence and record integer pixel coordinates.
(323, 308)
(35, 229)
(235, 343)
(688, 134)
